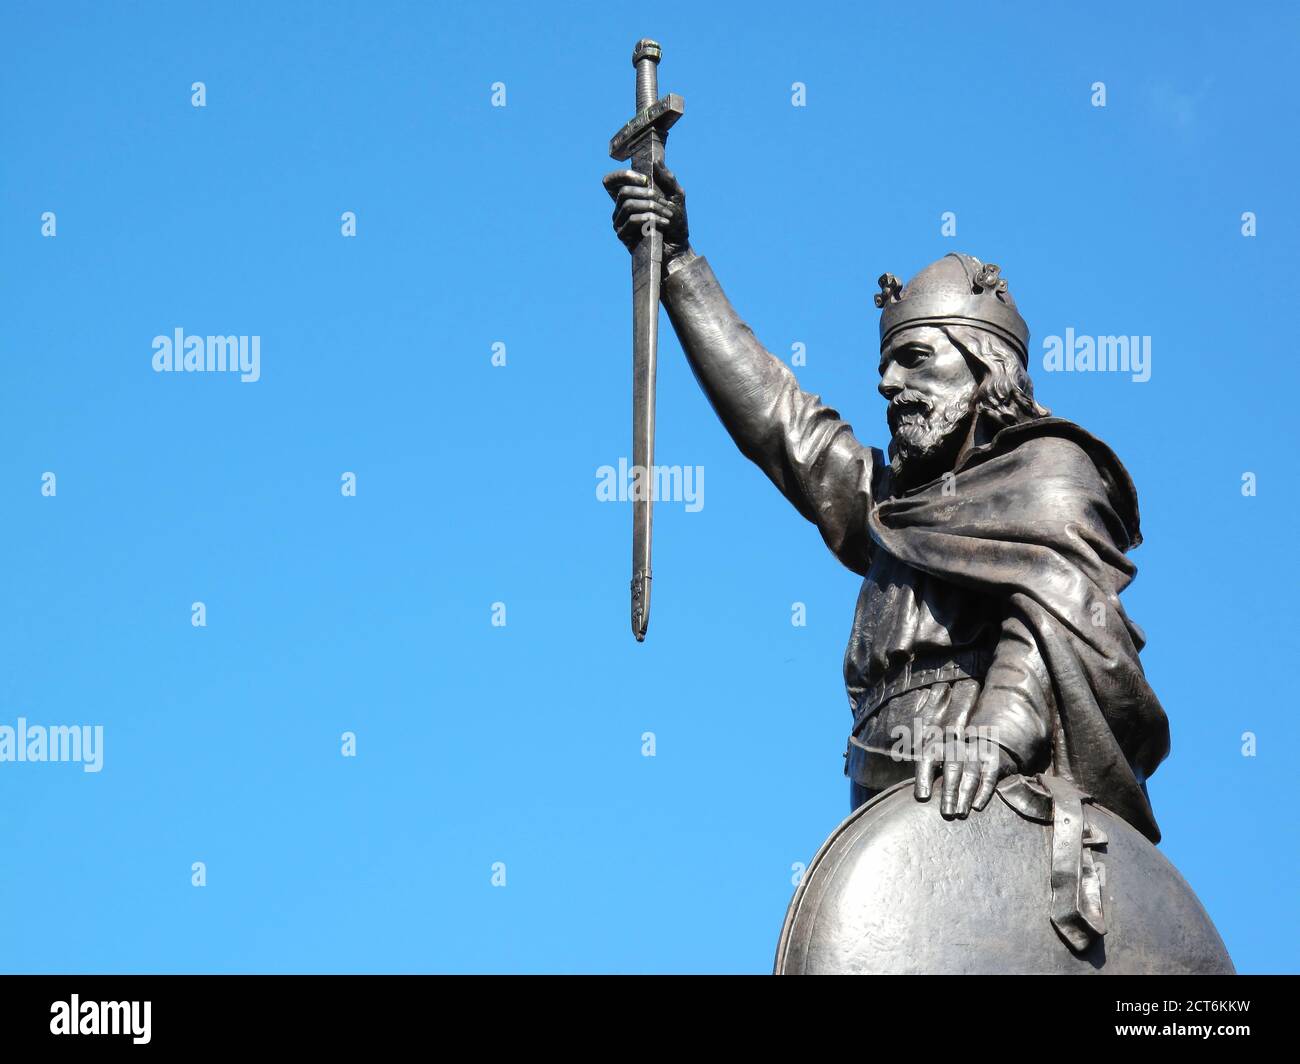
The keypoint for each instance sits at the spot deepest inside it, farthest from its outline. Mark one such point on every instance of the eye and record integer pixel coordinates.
(911, 357)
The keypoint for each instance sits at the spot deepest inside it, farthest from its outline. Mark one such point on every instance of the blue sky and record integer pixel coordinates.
(478, 225)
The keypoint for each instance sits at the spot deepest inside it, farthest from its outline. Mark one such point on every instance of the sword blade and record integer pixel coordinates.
(646, 262)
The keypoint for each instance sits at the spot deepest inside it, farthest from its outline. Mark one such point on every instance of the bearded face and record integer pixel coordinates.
(928, 435)
(932, 398)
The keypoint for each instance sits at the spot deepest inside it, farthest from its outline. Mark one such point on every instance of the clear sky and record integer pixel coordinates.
(521, 744)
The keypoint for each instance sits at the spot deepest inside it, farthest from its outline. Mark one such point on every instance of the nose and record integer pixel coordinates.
(891, 380)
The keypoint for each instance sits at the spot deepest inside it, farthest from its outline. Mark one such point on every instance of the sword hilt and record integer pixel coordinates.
(654, 117)
(645, 57)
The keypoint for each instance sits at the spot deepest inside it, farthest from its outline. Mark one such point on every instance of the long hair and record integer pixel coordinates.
(1004, 394)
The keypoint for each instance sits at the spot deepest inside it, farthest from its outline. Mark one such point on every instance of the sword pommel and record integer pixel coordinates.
(645, 57)
(646, 49)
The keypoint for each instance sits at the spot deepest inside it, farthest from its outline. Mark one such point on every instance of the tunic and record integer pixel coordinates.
(925, 648)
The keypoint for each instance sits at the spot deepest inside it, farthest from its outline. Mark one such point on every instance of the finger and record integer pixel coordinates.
(630, 192)
(631, 199)
(622, 221)
(616, 179)
(965, 693)
(634, 228)
(933, 707)
(639, 219)
(988, 784)
(951, 778)
(626, 208)
(925, 769)
(667, 180)
(970, 780)
(641, 192)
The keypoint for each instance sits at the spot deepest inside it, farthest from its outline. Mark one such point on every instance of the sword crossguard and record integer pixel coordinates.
(652, 113)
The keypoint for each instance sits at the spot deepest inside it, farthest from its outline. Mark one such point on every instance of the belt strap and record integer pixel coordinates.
(1076, 880)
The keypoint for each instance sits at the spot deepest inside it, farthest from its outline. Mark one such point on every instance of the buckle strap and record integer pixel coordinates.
(1077, 912)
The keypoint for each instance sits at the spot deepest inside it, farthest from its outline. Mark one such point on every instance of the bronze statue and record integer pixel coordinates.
(989, 646)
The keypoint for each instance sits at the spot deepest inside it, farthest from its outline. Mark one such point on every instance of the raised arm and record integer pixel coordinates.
(800, 443)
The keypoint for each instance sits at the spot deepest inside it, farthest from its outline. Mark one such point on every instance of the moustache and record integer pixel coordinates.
(908, 403)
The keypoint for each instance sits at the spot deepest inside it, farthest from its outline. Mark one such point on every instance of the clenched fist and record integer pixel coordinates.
(640, 206)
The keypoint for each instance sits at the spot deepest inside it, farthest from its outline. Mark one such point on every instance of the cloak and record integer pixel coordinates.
(1041, 518)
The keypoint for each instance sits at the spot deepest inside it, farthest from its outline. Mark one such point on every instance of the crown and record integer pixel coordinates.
(956, 290)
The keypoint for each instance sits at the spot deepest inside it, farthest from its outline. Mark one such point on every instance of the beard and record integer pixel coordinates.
(927, 437)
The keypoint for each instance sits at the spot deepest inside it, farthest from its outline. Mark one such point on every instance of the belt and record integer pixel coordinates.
(922, 672)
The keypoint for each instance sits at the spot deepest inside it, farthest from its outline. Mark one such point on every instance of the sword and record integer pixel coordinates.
(642, 141)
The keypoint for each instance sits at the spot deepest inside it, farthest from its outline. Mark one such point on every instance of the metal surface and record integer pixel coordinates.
(898, 889)
(642, 140)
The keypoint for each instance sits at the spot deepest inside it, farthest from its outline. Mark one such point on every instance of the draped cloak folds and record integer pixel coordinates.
(1038, 520)
(1041, 518)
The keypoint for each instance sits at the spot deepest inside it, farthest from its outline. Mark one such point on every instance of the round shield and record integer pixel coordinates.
(898, 889)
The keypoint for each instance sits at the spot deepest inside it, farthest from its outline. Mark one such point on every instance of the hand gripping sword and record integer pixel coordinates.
(642, 140)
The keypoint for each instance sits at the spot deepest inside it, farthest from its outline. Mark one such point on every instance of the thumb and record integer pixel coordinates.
(667, 181)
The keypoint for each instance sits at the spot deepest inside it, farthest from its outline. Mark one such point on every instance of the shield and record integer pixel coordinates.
(897, 889)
